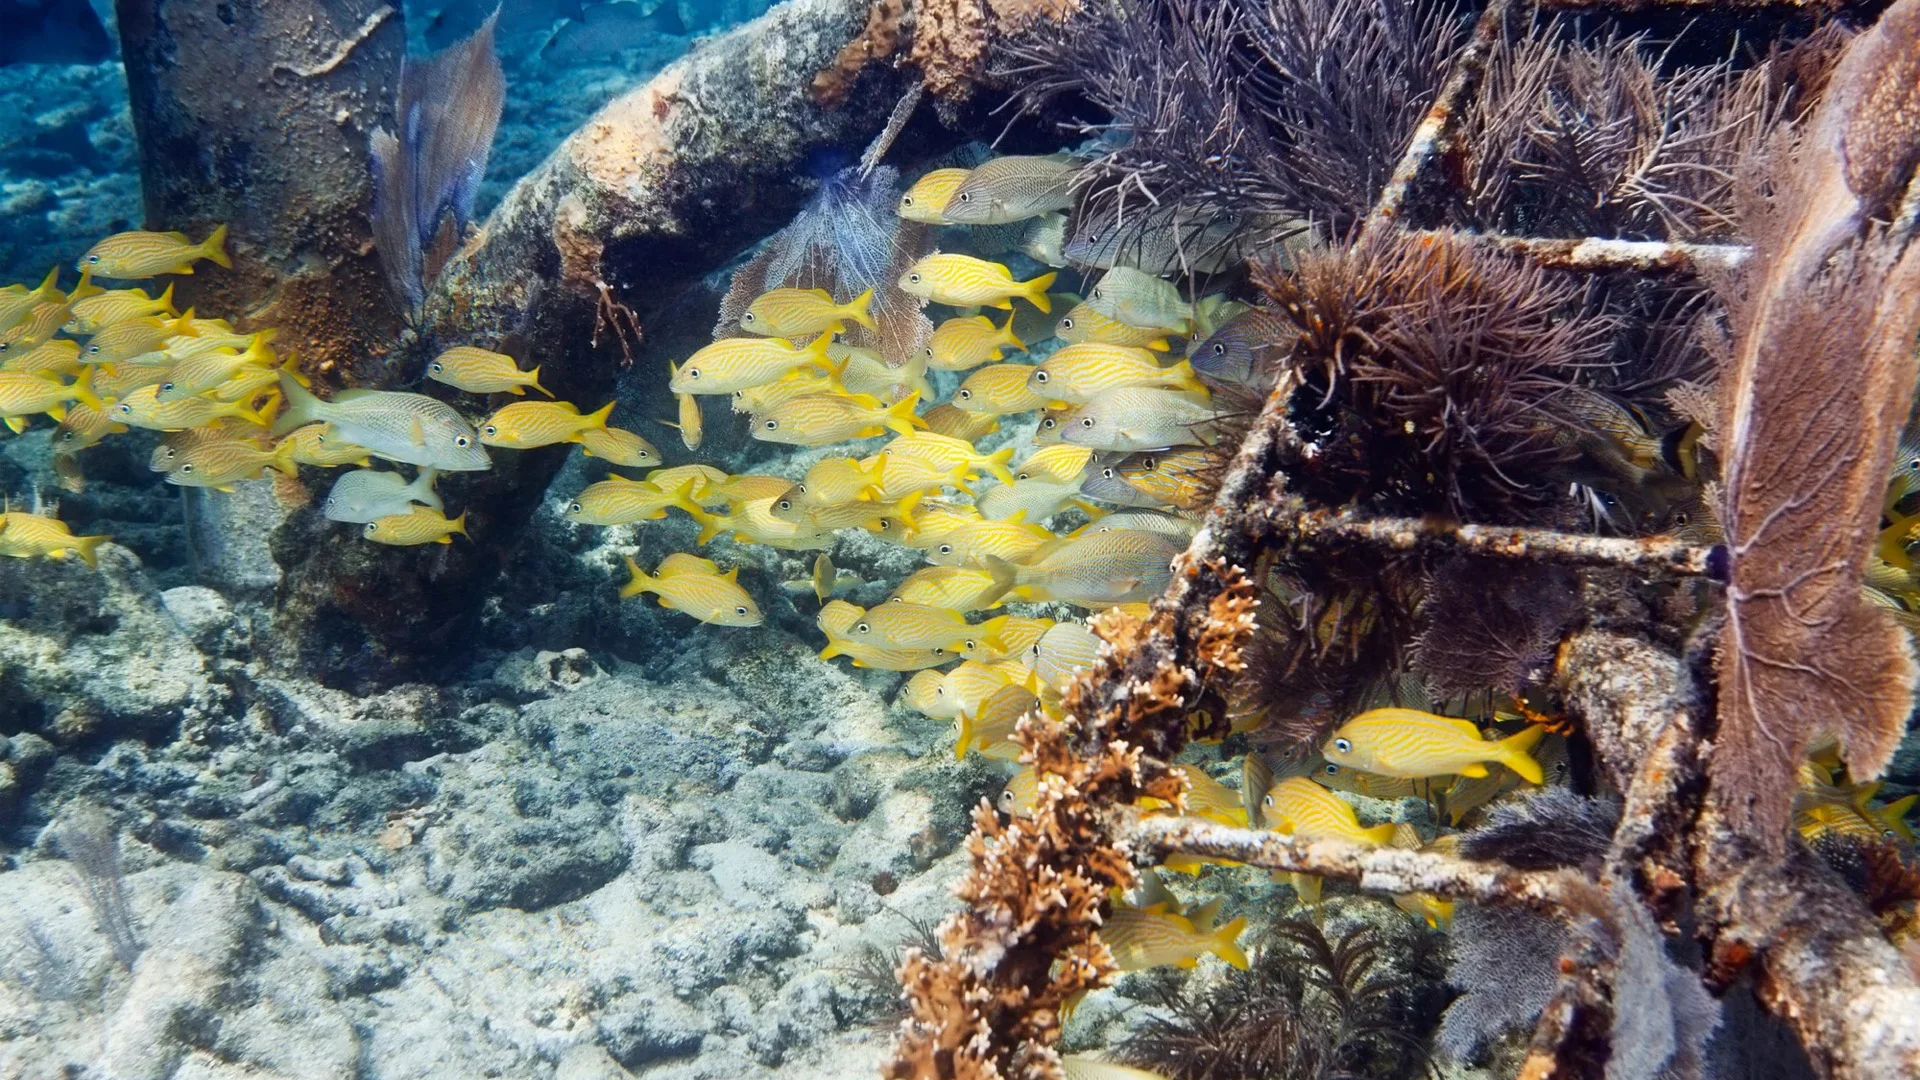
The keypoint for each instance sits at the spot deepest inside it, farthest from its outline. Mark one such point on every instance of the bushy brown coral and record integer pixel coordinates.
(947, 40)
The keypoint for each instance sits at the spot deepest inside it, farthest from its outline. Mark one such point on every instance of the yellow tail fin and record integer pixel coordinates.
(215, 248)
(86, 547)
(82, 387)
(1036, 291)
(996, 463)
(639, 581)
(533, 380)
(1226, 947)
(1008, 337)
(1379, 835)
(1512, 752)
(860, 310)
(596, 419)
(900, 419)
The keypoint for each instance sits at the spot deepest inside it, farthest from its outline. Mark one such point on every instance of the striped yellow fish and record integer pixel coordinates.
(692, 428)
(926, 200)
(753, 522)
(421, 525)
(201, 373)
(946, 452)
(1017, 637)
(956, 423)
(1137, 298)
(836, 616)
(859, 514)
(920, 626)
(129, 255)
(113, 305)
(1034, 500)
(129, 338)
(1021, 793)
(957, 588)
(1207, 798)
(741, 363)
(1084, 324)
(836, 480)
(1299, 807)
(141, 409)
(789, 386)
(1000, 390)
(23, 395)
(964, 281)
(972, 542)
(863, 371)
(795, 313)
(963, 689)
(938, 519)
(482, 371)
(918, 693)
(620, 501)
(525, 425)
(1150, 937)
(56, 357)
(709, 480)
(965, 343)
(34, 331)
(820, 419)
(1062, 652)
(1076, 373)
(618, 446)
(17, 301)
(988, 728)
(1414, 744)
(695, 588)
(315, 445)
(222, 463)
(1060, 463)
(26, 536)
(84, 426)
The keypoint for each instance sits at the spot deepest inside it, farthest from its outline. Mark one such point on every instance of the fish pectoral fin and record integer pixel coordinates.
(17, 424)
(1475, 770)
(417, 432)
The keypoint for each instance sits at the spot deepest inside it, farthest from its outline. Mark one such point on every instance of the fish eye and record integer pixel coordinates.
(166, 387)
(861, 628)
(126, 410)
(915, 278)
(1914, 464)
(771, 424)
(896, 599)
(437, 367)
(885, 524)
(1086, 421)
(906, 200)
(1019, 476)
(1106, 473)
(1332, 769)
(963, 395)
(946, 549)
(691, 373)
(93, 350)
(1066, 324)
(1148, 464)
(970, 646)
(575, 509)
(786, 504)
(69, 436)
(187, 468)
(1219, 349)
(739, 611)
(1345, 746)
(93, 258)
(1049, 423)
(490, 430)
(748, 317)
(463, 442)
(1682, 518)
(927, 352)
(965, 196)
(371, 528)
(1039, 376)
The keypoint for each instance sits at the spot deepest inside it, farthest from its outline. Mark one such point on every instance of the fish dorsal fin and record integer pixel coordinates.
(732, 575)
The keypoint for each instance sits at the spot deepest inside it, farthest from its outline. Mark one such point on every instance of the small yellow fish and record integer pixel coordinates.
(745, 488)
(709, 596)
(422, 525)
(136, 254)
(23, 395)
(1076, 373)
(863, 371)
(115, 381)
(129, 338)
(927, 199)
(33, 332)
(1021, 793)
(1413, 744)
(835, 480)
(988, 727)
(709, 488)
(142, 409)
(956, 423)
(1299, 807)
(789, 386)
(315, 445)
(84, 426)
(1084, 324)
(920, 626)
(1000, 389)
(836, 616)
(1183, 477)
(56, 357)
(971, 543)
(796, 313)
(947, 452)
(1060, 463)
(620, 501)
(25, 536)
(1036, 500)
(900, 475)
(1150, 937)
(1139, 299)
(918, 692)
(938, 519)
(742, 363)
(859, 514)
(113, 305)
(957, 588)
(1207, 798)
(18, 301)
(1062, 652)
(222, 463)
(205, 371)
(965, 343)
(692, 431)
(618, 446)
(524, 425)
(963, 689)
(753, 522)
(820, 419)
(480, 371)
(964, 281)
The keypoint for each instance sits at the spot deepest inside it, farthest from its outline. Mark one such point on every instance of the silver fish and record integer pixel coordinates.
(1012, 188)
(1244, 351)
(1039, 499)
(1098, 569)
(1140, 299)
(1141, 418)
(1045, 239)
(369, 494)
(410, 428)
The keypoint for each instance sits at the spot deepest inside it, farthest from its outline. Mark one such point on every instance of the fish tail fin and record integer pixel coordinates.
(1225, 944)
(996, 463)
(533, 380)
(215, 248)
(1183, 376)
(48, 284)
(1159, 344)
(1036, 291)
(165, 299)
(1379, 835)
(457, 525)
(711, 525)
(638, 581)
(1204, 916)
(1512, 752)
(421, 490)
(876, 477)
(85, 288)
(87, 547)
(83, 390)
(832, 650)
(1005, 576)
(904, 506)
(900, 417)
(597, 418)
(990, 632)
(301, 405)
(860, 310)
(1306, 887)
(963, 738)
(1008, 337)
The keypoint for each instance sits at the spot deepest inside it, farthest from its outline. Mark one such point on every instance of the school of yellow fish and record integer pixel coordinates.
(1122, 443)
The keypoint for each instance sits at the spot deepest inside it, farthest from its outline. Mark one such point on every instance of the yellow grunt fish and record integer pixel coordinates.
(23, 395)
(964, 281)
(900, 475)
(1413, 744)
(860, 514)
(1299, 807)
(1017, 799)
(699, 591)
(525, 425)
(1062, 652)
(1034, 500)
(202, 372)
(927, 199)
(708, 491)
(963, 689)
(820, 419)
(1060, 463)
(745, 362)
(965, 343)
(692, 430)
(836, 480)
(620, 501)
(18, 301)
(618, 446)
(84, 426)
(972, 542)
(795, 313)
(25, 536)
(864, 371)
(920, 626)
(956, 423)
(1207, 798)
(786, 388)
(141, 409)
(1150, 937)
(753, 522)
(1000, 390)
(988, 728)
(918, 692)
(315, 445)
(129, 338)
(1076, 373)
(957, 588)
(222, 463)
(421, 525)
(946, 452)
(113, 305)
(482, 371)
(55, 357)
(136, 254)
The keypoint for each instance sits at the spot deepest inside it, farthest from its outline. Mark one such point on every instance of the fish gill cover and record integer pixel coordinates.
(426, 173)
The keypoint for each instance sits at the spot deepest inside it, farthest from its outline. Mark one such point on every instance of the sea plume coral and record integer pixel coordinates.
(1822, 371)
(425, 175)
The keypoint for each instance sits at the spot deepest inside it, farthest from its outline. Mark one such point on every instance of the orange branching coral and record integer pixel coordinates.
(1026, 942)
(878, 39)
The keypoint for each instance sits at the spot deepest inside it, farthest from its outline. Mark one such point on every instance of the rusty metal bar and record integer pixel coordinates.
(1594, 254)
(1655, 554)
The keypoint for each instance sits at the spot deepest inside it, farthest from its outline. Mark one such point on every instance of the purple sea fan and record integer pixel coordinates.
(846, 240)
(448, 110)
